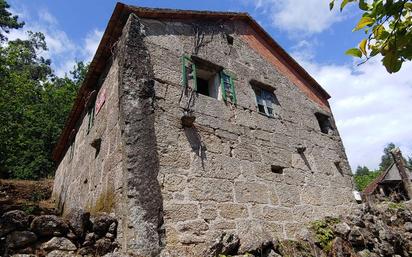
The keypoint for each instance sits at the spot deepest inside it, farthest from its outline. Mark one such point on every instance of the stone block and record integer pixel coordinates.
(208, 211)
(232, 211)
(197, 227)
(222, 225)
(311, 195)
(179, 211)
(251, 192)
(277, 214)
(289, 195)
(244, 151)
(174, 183)
(209, 189)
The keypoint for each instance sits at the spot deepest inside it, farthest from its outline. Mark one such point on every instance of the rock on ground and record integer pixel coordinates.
(20, 239)
(59, 243)
(78, 221)
(49, 225)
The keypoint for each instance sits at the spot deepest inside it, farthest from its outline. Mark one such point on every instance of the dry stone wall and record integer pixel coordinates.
(216, 176)
(175, 189)
(92, 178)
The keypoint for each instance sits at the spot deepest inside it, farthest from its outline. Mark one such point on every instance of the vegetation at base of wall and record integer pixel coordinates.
(324, 232)
(396, 206)
(34, 102)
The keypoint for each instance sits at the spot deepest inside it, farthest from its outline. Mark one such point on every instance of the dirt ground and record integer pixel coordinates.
(32, 197)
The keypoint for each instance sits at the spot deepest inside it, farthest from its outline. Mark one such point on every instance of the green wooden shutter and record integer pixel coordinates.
(232, 86)
(227, 86)
(222, 85)
(186, 61)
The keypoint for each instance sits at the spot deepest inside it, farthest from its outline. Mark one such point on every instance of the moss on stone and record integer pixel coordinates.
(104, 203)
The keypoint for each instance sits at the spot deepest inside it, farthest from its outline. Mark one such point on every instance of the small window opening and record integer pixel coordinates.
(208, 79)
(90, 105)
(277, 169)
(72, 139)
(324, 123)
(207, 82)
(338, 167)
(266, 101)
(229, 39)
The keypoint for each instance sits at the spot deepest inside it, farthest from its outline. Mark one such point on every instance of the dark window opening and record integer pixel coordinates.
(277, 169)
(339, 167)
(266, 101)
(207, 78)
(90, 104)
(324, 123)
(261, 108)
(202, 86)
(229, 39)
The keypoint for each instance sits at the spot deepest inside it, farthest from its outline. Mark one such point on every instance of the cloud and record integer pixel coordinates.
(91, 43)
(62, 50)
(299, 17)
(370, 106)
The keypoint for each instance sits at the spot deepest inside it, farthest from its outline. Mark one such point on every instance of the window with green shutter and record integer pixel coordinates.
(206, 78)
(189, 73)
(90, 106)
(228, 88)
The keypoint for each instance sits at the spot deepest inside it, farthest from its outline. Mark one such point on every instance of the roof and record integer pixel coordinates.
(113, 32)
(384, 176)
(374, 184)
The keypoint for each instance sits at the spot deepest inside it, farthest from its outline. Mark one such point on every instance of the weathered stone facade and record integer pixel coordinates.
(174, 188)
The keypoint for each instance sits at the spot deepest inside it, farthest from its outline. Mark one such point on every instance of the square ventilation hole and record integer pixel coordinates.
(277, 169)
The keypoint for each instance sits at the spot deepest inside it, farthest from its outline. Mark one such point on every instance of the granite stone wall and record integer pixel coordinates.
(217, 175)
(175, 189)
(91, 177)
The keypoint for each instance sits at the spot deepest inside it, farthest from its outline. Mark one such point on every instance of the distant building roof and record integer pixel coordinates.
(391, 174)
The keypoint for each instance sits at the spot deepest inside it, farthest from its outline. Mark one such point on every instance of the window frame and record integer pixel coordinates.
(325, 122)
(262, 93)
(224, 77)
(91, 110)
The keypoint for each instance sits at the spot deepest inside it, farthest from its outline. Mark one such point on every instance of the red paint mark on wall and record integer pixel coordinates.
(101, 98)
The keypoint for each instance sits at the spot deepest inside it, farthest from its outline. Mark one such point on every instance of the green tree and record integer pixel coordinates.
(409, 162)
(362, 170)
(33, 106)
(386, 159)
(388, 29)
(34, 103)
(7, 20)
(362, 181)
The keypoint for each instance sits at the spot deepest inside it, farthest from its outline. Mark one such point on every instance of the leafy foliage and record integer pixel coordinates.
(7, 21)
(34, 104)
(362, 170)
(386, 159)
(362, 181)
(324, 232)
(388, 29)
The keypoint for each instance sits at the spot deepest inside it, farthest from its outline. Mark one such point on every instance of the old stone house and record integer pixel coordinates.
(193, 123)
